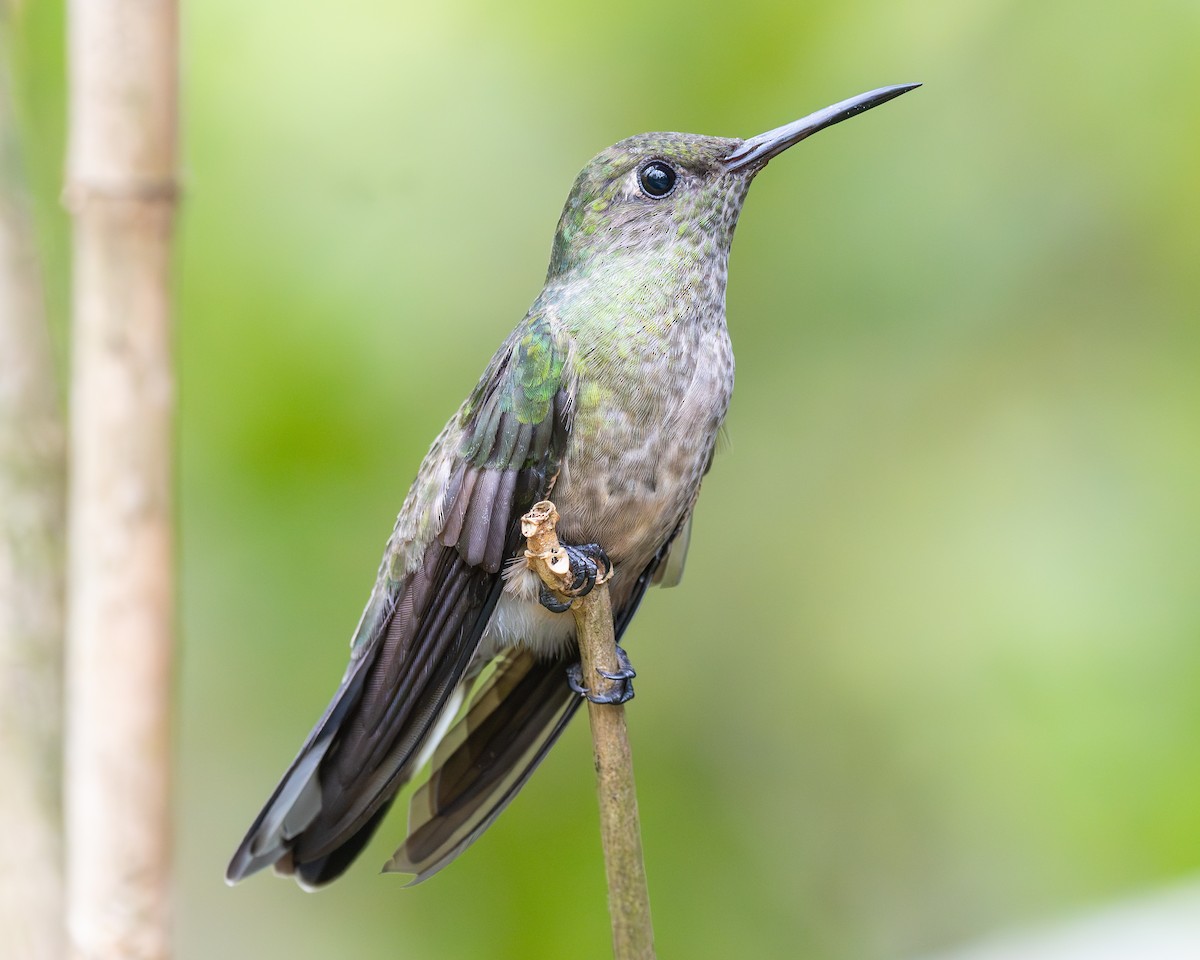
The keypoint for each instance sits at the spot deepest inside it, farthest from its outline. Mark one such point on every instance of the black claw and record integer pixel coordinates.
(584, 570)
(588, 562)
(602, 560)
(621, 689)
(624, 669)
(548, 600)
(575, 678)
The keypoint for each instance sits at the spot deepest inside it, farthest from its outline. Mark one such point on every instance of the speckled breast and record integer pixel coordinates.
(643, 434)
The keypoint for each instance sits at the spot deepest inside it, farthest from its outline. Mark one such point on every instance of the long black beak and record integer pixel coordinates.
(758, 150)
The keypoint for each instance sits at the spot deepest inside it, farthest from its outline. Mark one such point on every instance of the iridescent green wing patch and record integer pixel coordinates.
(515, 427)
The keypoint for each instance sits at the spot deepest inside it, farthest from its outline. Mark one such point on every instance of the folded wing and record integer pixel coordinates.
(437, 587)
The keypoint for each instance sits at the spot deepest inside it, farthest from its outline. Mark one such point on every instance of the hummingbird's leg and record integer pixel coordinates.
(621, 690)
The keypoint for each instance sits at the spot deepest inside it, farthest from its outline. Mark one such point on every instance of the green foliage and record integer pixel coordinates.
(949, 685)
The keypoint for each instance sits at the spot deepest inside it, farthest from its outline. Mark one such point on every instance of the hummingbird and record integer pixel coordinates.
(608, 396)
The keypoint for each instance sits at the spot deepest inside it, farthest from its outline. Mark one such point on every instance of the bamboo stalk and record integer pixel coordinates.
(620, 830)
(32, 499)
(121, 192)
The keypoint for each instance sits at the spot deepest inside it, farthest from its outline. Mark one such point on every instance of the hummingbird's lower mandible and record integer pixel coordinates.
(608, 396)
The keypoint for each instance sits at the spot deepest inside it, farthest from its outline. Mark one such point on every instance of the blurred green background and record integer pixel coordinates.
(934, 668)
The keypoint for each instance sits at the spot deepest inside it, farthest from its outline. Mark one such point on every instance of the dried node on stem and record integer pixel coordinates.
(543, 551)
(545, 554)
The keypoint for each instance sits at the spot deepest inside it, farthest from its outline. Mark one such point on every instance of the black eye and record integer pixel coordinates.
(656, 179)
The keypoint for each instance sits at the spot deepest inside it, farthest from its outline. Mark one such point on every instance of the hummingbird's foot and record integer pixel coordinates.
(548, 600)
(589, 565)
(621, 689)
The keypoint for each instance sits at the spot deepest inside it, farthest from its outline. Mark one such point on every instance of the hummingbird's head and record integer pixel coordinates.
(646, 192)
(677, 189)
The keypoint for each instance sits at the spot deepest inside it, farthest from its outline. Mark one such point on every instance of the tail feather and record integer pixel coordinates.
(311, 874)
(513, 720)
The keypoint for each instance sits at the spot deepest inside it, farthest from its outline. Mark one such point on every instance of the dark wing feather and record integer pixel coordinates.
(435, 594)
